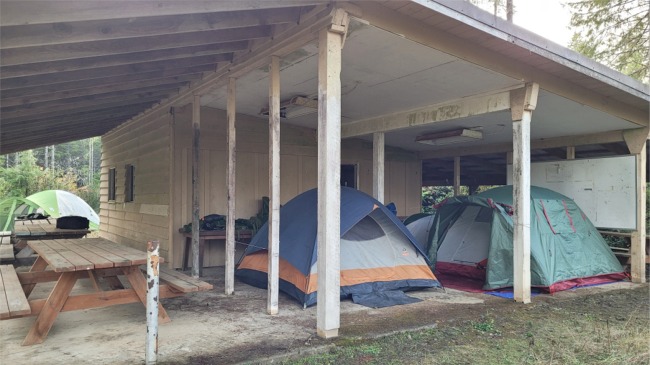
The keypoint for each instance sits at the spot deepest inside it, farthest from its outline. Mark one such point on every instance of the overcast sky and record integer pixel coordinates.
(547, 18)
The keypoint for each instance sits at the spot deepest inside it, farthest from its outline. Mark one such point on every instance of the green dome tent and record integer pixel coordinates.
(473, 237)
(13, 207)
(59, 203)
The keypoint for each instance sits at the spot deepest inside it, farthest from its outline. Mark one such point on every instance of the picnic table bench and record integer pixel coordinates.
(66, 261)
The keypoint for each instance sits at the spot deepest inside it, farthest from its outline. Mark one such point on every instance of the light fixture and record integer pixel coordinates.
(295, 107)
(449, 137)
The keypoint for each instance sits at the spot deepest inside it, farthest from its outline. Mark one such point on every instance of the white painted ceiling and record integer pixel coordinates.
(384, 73)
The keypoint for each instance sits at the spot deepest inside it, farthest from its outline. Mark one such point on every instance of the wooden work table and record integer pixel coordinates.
(204, 236)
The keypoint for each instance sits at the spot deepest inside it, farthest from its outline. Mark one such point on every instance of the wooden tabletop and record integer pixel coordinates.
(44, 227)
(86, 254)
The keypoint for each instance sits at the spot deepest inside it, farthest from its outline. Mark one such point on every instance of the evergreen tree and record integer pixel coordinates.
(614, 32)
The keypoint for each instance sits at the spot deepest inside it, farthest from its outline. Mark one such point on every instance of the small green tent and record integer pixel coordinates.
(473, 237)
(13, 207)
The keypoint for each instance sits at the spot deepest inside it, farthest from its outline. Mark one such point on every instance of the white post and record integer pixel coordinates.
(523, 102)
(274, 187)
(230, 180)
(151, 346)
(378, 166)
(196, 128)
(457, 176)
(521, 200)
(638, 244)
(329, 176)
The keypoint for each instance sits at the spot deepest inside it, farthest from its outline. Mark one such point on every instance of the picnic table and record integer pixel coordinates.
(66, 261)
(44, 229)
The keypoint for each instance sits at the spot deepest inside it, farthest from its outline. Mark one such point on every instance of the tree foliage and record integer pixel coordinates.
(27, 172)
(614, 32)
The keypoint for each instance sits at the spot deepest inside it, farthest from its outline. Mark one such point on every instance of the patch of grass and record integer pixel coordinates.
(559, 332)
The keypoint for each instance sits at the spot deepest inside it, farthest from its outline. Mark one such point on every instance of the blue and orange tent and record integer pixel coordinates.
(378, 254)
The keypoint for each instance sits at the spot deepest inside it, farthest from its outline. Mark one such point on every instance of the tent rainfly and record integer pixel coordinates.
(473, 237)
(379, 257)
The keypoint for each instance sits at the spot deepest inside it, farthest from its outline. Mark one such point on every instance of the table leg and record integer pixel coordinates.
(139, 284)
(51, 309)
(39, 265)
(201, 250)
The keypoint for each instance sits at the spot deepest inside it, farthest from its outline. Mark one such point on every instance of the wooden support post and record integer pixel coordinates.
(196, 129)
(378, 166)
(153, 298)
(329, 173)
(457, 176)
(523, 102)
(231, 183)
(274, 187)
(636, 141)
(570, 152)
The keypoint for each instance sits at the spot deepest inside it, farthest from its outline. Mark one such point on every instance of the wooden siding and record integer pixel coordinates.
(145, 145)
(298, 170)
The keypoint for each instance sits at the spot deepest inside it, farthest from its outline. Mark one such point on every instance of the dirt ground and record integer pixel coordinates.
(212, 328)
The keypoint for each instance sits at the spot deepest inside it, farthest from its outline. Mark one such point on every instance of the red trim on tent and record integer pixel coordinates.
(592, 280)
(548, 220)
(566, 210)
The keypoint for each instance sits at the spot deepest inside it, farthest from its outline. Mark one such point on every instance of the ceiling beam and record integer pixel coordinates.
(118, 112)
(460, 108)
(126, 26)
(96, 108)
(177, 81)
(478, 54)
(15, 145)
(543, 143)
(194, 73)
(19, 12)
(281, 44)
(40, 68)
(34, 54)
(112, 71)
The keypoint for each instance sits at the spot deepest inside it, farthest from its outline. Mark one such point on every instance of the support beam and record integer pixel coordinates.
(538, 144)
(637, 144)
(196, 134)
(523, 102)
(454, 109)
(274, 187)
(457, 176)
(231, 183)
(329, 175)
(378, 166)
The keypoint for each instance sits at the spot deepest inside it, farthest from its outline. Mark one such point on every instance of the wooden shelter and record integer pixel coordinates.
(292, 89)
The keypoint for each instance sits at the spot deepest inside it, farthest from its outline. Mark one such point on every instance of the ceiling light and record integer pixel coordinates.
(449, 137)
(295, 107)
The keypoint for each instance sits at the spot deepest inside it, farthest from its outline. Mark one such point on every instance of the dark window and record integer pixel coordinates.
(349, 176)
(129, 183)
(111, 184)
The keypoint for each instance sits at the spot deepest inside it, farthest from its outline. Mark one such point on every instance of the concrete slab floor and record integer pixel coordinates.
(228, 329)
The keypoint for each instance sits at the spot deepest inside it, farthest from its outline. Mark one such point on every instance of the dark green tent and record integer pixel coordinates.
(472, 236)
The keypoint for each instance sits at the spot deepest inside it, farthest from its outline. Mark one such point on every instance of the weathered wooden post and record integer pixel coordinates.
(152, 302)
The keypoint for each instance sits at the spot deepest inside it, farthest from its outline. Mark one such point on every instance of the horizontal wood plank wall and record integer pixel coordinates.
(298, 170)
(144, 145)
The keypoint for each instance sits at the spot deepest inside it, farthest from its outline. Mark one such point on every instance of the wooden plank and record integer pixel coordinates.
(274, 188)
(110, 257)
(51, 309)
(139, 285)
(135, 257)
(199, 284)
(53, 258)
(102, 299)
(16, 299)
(68, 252)
(98, 262)
(4, 306)
(6, 253)
(329, 175)
(456, 175)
